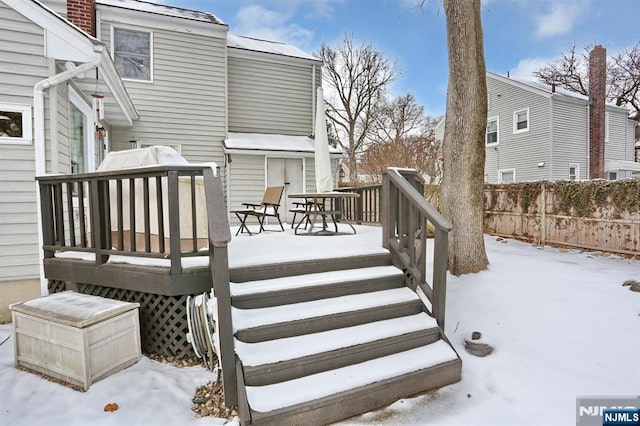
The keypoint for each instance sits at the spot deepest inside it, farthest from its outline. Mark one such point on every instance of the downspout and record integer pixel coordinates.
(39, 140)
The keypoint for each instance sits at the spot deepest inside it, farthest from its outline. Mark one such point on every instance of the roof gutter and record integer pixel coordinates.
(119, 92)
(39, 141)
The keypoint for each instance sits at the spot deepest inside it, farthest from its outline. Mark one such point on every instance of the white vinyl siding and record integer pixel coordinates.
(185, 103)
(570, 138)
(22, 65)
(246, 175)
(617, 144)
(615, 147)
(521, 151)
(175, 146)
(270, 97)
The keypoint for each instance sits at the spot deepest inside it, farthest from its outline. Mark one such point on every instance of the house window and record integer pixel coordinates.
(612, 175)
(492, 131)
(507, 176)
(132, 53)
(521, 121)
(15, 123)
(77, 136)
(574, 172)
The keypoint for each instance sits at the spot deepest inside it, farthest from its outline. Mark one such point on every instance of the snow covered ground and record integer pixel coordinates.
(561, 323)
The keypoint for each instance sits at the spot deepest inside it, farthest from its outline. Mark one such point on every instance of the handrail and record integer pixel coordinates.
(405, 214)
(418, 199)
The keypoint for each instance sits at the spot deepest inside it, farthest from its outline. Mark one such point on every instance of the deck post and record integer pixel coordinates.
(46, 211)
(98, 204)
(219, 238)
(174, 222)
(440, 260)
(385, 210)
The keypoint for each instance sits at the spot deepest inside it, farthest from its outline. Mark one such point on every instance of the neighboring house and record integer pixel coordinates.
(79, 78)
(536, 132)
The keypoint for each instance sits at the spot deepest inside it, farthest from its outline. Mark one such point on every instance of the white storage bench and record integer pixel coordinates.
(76, 337)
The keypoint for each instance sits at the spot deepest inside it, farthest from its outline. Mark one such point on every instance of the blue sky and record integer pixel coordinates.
(519, 35)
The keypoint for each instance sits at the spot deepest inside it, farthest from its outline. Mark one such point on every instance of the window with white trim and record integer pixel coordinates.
(521, 121)
(132, 53)
(506, 176)
(574, 171)
(612, 175)
(491, 137)
(15, 123)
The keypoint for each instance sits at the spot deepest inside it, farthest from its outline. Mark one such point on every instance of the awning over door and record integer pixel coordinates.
(262, 143)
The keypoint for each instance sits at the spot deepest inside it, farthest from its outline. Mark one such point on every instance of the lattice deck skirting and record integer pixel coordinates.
(163, 319)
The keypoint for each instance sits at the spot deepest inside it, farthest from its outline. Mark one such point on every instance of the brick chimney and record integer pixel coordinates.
(597, 92)
(82, 13)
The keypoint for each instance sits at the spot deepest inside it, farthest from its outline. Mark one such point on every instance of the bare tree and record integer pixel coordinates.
(399, 118)
(402, 136)
(623, 75)
(422, 153)
(359, 77)
(463, 145)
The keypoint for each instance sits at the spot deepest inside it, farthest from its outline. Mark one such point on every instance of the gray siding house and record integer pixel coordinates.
(536, 132)
(80, 78)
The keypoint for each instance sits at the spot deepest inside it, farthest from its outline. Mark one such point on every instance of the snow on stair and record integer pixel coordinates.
(272, 397)
(253, 354)
(311, 280)
(249, 318)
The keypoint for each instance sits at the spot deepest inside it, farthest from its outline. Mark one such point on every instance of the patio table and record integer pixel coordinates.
(320, 200)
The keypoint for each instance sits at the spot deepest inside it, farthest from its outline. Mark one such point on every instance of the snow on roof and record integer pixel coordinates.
(268, 142)
(548, 89)
(265, 46)
(160, 9)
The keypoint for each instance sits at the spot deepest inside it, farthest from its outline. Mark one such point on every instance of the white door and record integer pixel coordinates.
(287, 172)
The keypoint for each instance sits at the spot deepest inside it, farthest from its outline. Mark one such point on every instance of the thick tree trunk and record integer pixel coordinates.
(464, 139)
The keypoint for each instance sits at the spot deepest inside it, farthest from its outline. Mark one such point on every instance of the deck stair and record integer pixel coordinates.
(346, 337)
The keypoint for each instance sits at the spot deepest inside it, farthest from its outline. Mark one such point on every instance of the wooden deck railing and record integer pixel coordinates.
(146, 212)
(364, 209)
(160, 212)
(405, 214)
